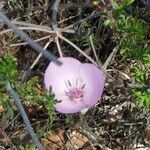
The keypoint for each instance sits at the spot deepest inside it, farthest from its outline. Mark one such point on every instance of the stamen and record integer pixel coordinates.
(82, 87)
(69, 83)
(66, 92)
(81, 96)
(75, 94)
(59, 101)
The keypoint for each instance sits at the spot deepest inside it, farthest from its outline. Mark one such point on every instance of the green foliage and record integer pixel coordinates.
(8, 73)
(143, 98)
(8, 70)
(49, 102)
(29, 92)
(33, 95)
(27, 147)
(120, 6)
(83, 34)
(131, 33)
(129, 25)
(7, 105)
(146, 56)
(142, 76)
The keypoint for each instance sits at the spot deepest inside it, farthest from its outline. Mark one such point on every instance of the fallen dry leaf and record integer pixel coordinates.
(64, 141)
(54, 140)
(78, 139)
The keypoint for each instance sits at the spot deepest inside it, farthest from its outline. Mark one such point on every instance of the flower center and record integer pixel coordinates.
(75, 91)
(75, 94)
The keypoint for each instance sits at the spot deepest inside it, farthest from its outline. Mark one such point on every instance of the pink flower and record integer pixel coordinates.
(76, 86)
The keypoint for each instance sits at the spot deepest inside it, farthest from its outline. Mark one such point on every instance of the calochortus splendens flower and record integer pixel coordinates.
(77, 86)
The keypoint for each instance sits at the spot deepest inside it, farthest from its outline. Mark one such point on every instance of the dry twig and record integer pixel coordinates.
(16, 98)
(26, 38)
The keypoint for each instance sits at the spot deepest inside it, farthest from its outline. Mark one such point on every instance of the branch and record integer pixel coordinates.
(54, 25)
(16, 98)
(26, 38)
(54, 16)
